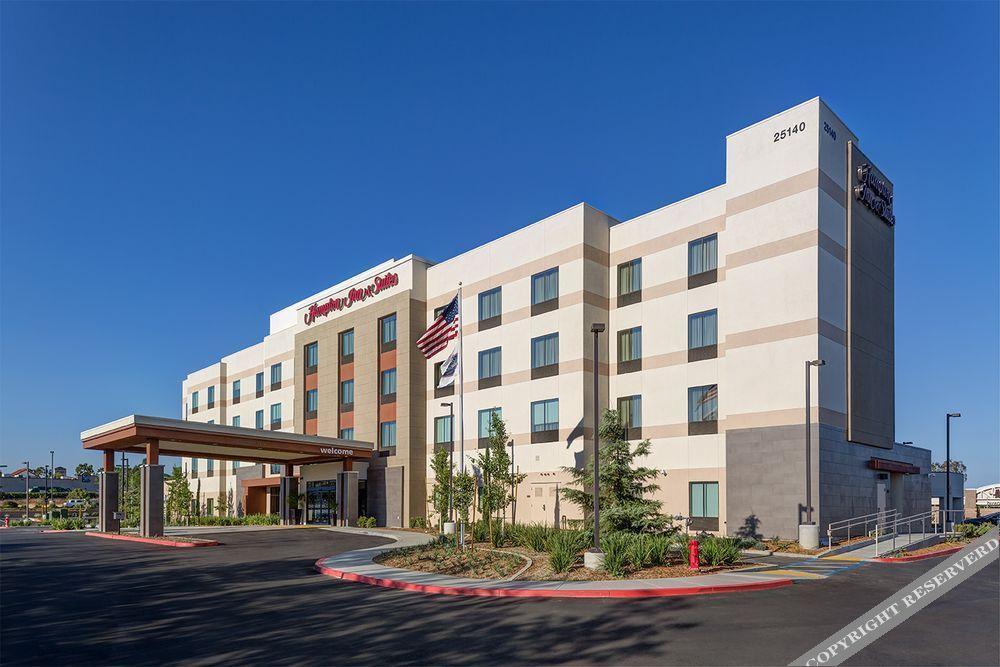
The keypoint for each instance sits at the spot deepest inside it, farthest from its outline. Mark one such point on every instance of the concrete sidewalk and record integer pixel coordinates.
(359, 566)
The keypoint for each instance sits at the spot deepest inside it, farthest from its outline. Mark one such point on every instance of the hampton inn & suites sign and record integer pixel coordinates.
(351, 297)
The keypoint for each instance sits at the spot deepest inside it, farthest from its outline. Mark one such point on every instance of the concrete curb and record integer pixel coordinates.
(911, 559)
(153, 540)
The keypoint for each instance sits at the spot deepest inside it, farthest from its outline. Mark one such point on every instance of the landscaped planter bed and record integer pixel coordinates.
(166, 540)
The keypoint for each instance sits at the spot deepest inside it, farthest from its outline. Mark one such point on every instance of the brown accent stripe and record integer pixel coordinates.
(669, 240)
(792, 185)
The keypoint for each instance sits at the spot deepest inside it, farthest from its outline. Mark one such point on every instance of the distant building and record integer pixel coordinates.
(983, 500)
(60, 472)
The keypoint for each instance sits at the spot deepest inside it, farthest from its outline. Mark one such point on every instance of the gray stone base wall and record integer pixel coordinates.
(385, 494)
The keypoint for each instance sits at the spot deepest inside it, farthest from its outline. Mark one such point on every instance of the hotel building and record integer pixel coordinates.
(713, 306)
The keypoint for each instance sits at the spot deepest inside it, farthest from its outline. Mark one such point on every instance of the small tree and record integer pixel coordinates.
(465, 490)
(441, 491)
(178, 495)
(223, 506)
(499, 480)
(623, 485)
(84, 469)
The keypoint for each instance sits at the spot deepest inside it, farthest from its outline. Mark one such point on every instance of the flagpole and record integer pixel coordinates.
(461, 410)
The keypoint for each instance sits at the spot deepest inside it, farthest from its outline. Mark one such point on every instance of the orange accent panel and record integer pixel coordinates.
(387, 360)
(312, 426)
(348, 465)
(312, 381)
(347, 371)
(387, 412)
(347, 420)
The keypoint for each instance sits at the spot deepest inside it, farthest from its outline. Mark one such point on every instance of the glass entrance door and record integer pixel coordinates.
(321, 502)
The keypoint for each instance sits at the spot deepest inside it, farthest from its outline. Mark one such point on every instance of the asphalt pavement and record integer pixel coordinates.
(257, 599)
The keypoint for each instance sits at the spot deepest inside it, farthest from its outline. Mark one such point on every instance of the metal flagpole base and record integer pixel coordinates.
(593, 559)
(808, 536)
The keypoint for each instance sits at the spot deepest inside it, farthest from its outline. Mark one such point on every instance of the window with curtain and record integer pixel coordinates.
(489, 363)
(389, 382)
(388, 326)
(630, 344)
(442, 430)
(236, 466)
(703, 403)
(194, 401)
(209, 467)
(489, 304)
(236, 390)
(705, 499)
(236, 420)
(259, 419)
(275, 414)
(347, 392)
(347, 433)
(630, 410)
(276, 373)
(211, 396)
(387, 434)
(194, 467)
(312, 355)
(312, 400)
(485, 419)
(702, 329)
(629, 277)
(275, 468)
(545, 350)
(347, 343)
(703, 255)
(545, 415)
(260, 382)
(545, 286)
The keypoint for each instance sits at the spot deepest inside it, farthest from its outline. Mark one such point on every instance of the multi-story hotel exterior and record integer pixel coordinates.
(713, 306)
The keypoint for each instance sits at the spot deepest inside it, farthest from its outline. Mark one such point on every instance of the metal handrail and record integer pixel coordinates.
(882, 518)
(923, 518)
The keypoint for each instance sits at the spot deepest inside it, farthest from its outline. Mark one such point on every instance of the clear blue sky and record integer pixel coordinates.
(172, 173)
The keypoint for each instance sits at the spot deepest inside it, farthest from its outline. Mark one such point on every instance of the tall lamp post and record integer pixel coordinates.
(947, 466)
(48, 484)
(594, 557)
(809, 532)
(27, 480)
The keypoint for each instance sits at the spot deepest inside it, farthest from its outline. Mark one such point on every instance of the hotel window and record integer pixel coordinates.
(704, 505)
(485, 424)
(441, 391)
(387, 435)
(276, 376)
(210, 421)
(629, 282)
(275, 416)
(209, 468)
(442, 430)
(545, 421)
(260, 384)
(489, 368)
(275, 468)
(236, 391)
(387, 332)
(703, 261)
(258, 419)
(703, 335)
(312, 400)
(630, 411)
(387, 386)
(347, 346)
(630, 350)
(545, 291)
(347, 433)
(347, 395)
(545, 356)
(236, 466)
(489, 308)
(194, 402)
(703, 409)
(194, 467)
(312, 358)
(236, 420)
(211, 397)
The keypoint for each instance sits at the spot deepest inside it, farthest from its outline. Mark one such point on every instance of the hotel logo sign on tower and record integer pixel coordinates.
(875, 193)
(353, 296)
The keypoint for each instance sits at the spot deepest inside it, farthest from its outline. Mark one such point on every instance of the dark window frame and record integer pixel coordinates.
(443, 391)
(703, 522)
(628, 365)
(539, 307)
(387, 346)
(311, 369)
(493, 320)
(345, 358)
(631, 432)
(634, 295)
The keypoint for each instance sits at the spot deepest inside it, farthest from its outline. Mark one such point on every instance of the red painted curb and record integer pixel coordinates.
(910, 559)
(153, 540)
(550, 593)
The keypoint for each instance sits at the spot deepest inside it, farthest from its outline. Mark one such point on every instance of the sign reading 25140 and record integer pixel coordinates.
(789, 131)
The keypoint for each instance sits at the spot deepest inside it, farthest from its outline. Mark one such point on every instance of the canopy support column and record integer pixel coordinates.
(151, 496)
(287, 487)
(108, 495)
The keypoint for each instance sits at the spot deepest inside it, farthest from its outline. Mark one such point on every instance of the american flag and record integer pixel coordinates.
(443, 329)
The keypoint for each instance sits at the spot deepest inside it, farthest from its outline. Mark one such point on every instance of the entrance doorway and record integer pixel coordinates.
(882, 494)
(321, 502)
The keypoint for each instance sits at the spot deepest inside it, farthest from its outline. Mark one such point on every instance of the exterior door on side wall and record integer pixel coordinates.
(882, 495)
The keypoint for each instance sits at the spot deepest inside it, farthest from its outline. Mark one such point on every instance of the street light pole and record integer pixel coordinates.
(594, 558)
(947, 466)
(808, 533)
(27, 480)
(48, 486)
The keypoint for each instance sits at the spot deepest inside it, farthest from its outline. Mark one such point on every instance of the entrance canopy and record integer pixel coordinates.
(176, 437)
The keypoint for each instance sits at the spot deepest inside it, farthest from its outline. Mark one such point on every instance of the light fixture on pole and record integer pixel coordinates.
(594, 557)
(809, 531)
(947, 466)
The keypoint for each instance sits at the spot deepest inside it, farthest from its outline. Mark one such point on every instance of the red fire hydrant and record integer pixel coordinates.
(693, 554)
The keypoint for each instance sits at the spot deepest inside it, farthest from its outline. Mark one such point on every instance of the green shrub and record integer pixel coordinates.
(418, 522)
(615, 546)
(970, 531)
(563, 549)
(480, 531)
(366, 522)
(640, 550)
(68, 524)
(659, 550)
(718, 551)
(533, 536)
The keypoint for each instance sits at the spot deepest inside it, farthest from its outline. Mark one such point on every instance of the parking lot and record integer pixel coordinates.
(257, 598)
